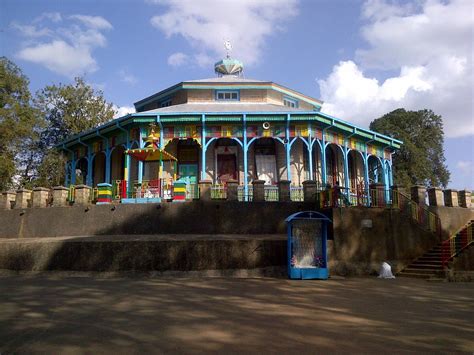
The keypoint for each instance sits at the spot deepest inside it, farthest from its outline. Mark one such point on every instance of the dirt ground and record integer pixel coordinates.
(55, 313)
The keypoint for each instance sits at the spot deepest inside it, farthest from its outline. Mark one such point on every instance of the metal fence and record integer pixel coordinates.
(296, 193)
(241, 196)
(271, 193)
(218, 192)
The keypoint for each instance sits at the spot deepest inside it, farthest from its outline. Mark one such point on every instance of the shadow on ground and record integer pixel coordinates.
(53, 313)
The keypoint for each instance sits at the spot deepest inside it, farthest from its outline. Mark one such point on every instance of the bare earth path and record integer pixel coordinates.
(53, 313)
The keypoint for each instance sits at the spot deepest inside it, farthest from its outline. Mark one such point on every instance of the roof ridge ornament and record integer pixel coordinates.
(229, 66)
(228, 47)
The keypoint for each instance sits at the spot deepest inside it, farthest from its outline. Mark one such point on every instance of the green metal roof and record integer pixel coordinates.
(223, 118)
(263, 118)
(178, 119)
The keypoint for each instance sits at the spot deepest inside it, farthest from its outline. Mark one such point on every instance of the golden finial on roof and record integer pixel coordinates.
(153, 138)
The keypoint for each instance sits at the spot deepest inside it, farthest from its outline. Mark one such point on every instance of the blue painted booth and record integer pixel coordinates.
(307, 245)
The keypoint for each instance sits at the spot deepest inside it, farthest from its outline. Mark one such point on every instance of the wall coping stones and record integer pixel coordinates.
(451, 198)
(41, 189)
(23, 190)
(435, 196)
(60, 188)
(8, 199)
(79, 187)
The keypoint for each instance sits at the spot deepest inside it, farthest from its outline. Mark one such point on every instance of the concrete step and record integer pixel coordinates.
(429, 259)
(421, 271)
(414, 275)
(425, 266)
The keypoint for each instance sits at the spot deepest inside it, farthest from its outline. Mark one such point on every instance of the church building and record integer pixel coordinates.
(227, 128)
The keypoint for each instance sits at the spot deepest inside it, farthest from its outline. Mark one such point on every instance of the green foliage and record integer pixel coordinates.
(49, 174)
(31, 128)
(421, 158)
(68, 110)
(19, 123)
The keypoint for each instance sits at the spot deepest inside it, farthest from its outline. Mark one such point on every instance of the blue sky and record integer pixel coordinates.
(363, 58)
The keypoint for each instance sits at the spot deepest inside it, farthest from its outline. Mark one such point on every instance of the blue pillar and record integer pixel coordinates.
(73, 171)
(108, 154)
(288, 159)
(126, 176)
(162, 147)
(391, 173)
(245, 150)
(366, 176)
(67, 173)
(90, 157)
(203, 147)
(310, 152)
(89, 181)
(128, 162)
(140, 163)
(323, 160)
(288, 148)
(346, 168)
(386, 180)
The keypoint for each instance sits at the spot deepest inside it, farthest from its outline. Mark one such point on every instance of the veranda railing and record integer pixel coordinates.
(296, 193)
(218, 192)
(271, 193)
(241, 195)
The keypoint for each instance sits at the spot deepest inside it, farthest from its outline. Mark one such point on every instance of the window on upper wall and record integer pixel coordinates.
(165, 103)
(227, 95)
(290, 102)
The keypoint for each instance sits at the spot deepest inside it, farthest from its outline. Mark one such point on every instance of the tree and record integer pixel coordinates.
(421, 158)
(19, 123)
(68, 110)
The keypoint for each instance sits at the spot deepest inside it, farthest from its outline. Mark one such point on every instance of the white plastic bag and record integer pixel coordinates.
(386, 271)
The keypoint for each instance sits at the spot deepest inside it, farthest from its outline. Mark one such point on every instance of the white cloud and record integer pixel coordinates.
(51, 16)
(123, 110)
(431, 49)
(64, 50)
(465, 167)
(380, 10)
(205, 24)
(96, 22)
(31, 30)
(60, 57)
(177, 59)
(126, 77)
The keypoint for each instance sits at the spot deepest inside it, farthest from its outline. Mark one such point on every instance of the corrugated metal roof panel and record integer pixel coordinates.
(303, 118)
(180, 119)
(263, 118)
(224, 118)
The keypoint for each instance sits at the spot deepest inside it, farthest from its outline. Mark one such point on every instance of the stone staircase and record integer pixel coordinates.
(427, 266)
(430, 264)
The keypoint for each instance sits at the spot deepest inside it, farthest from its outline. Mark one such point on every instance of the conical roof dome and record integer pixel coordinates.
(229, 66)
